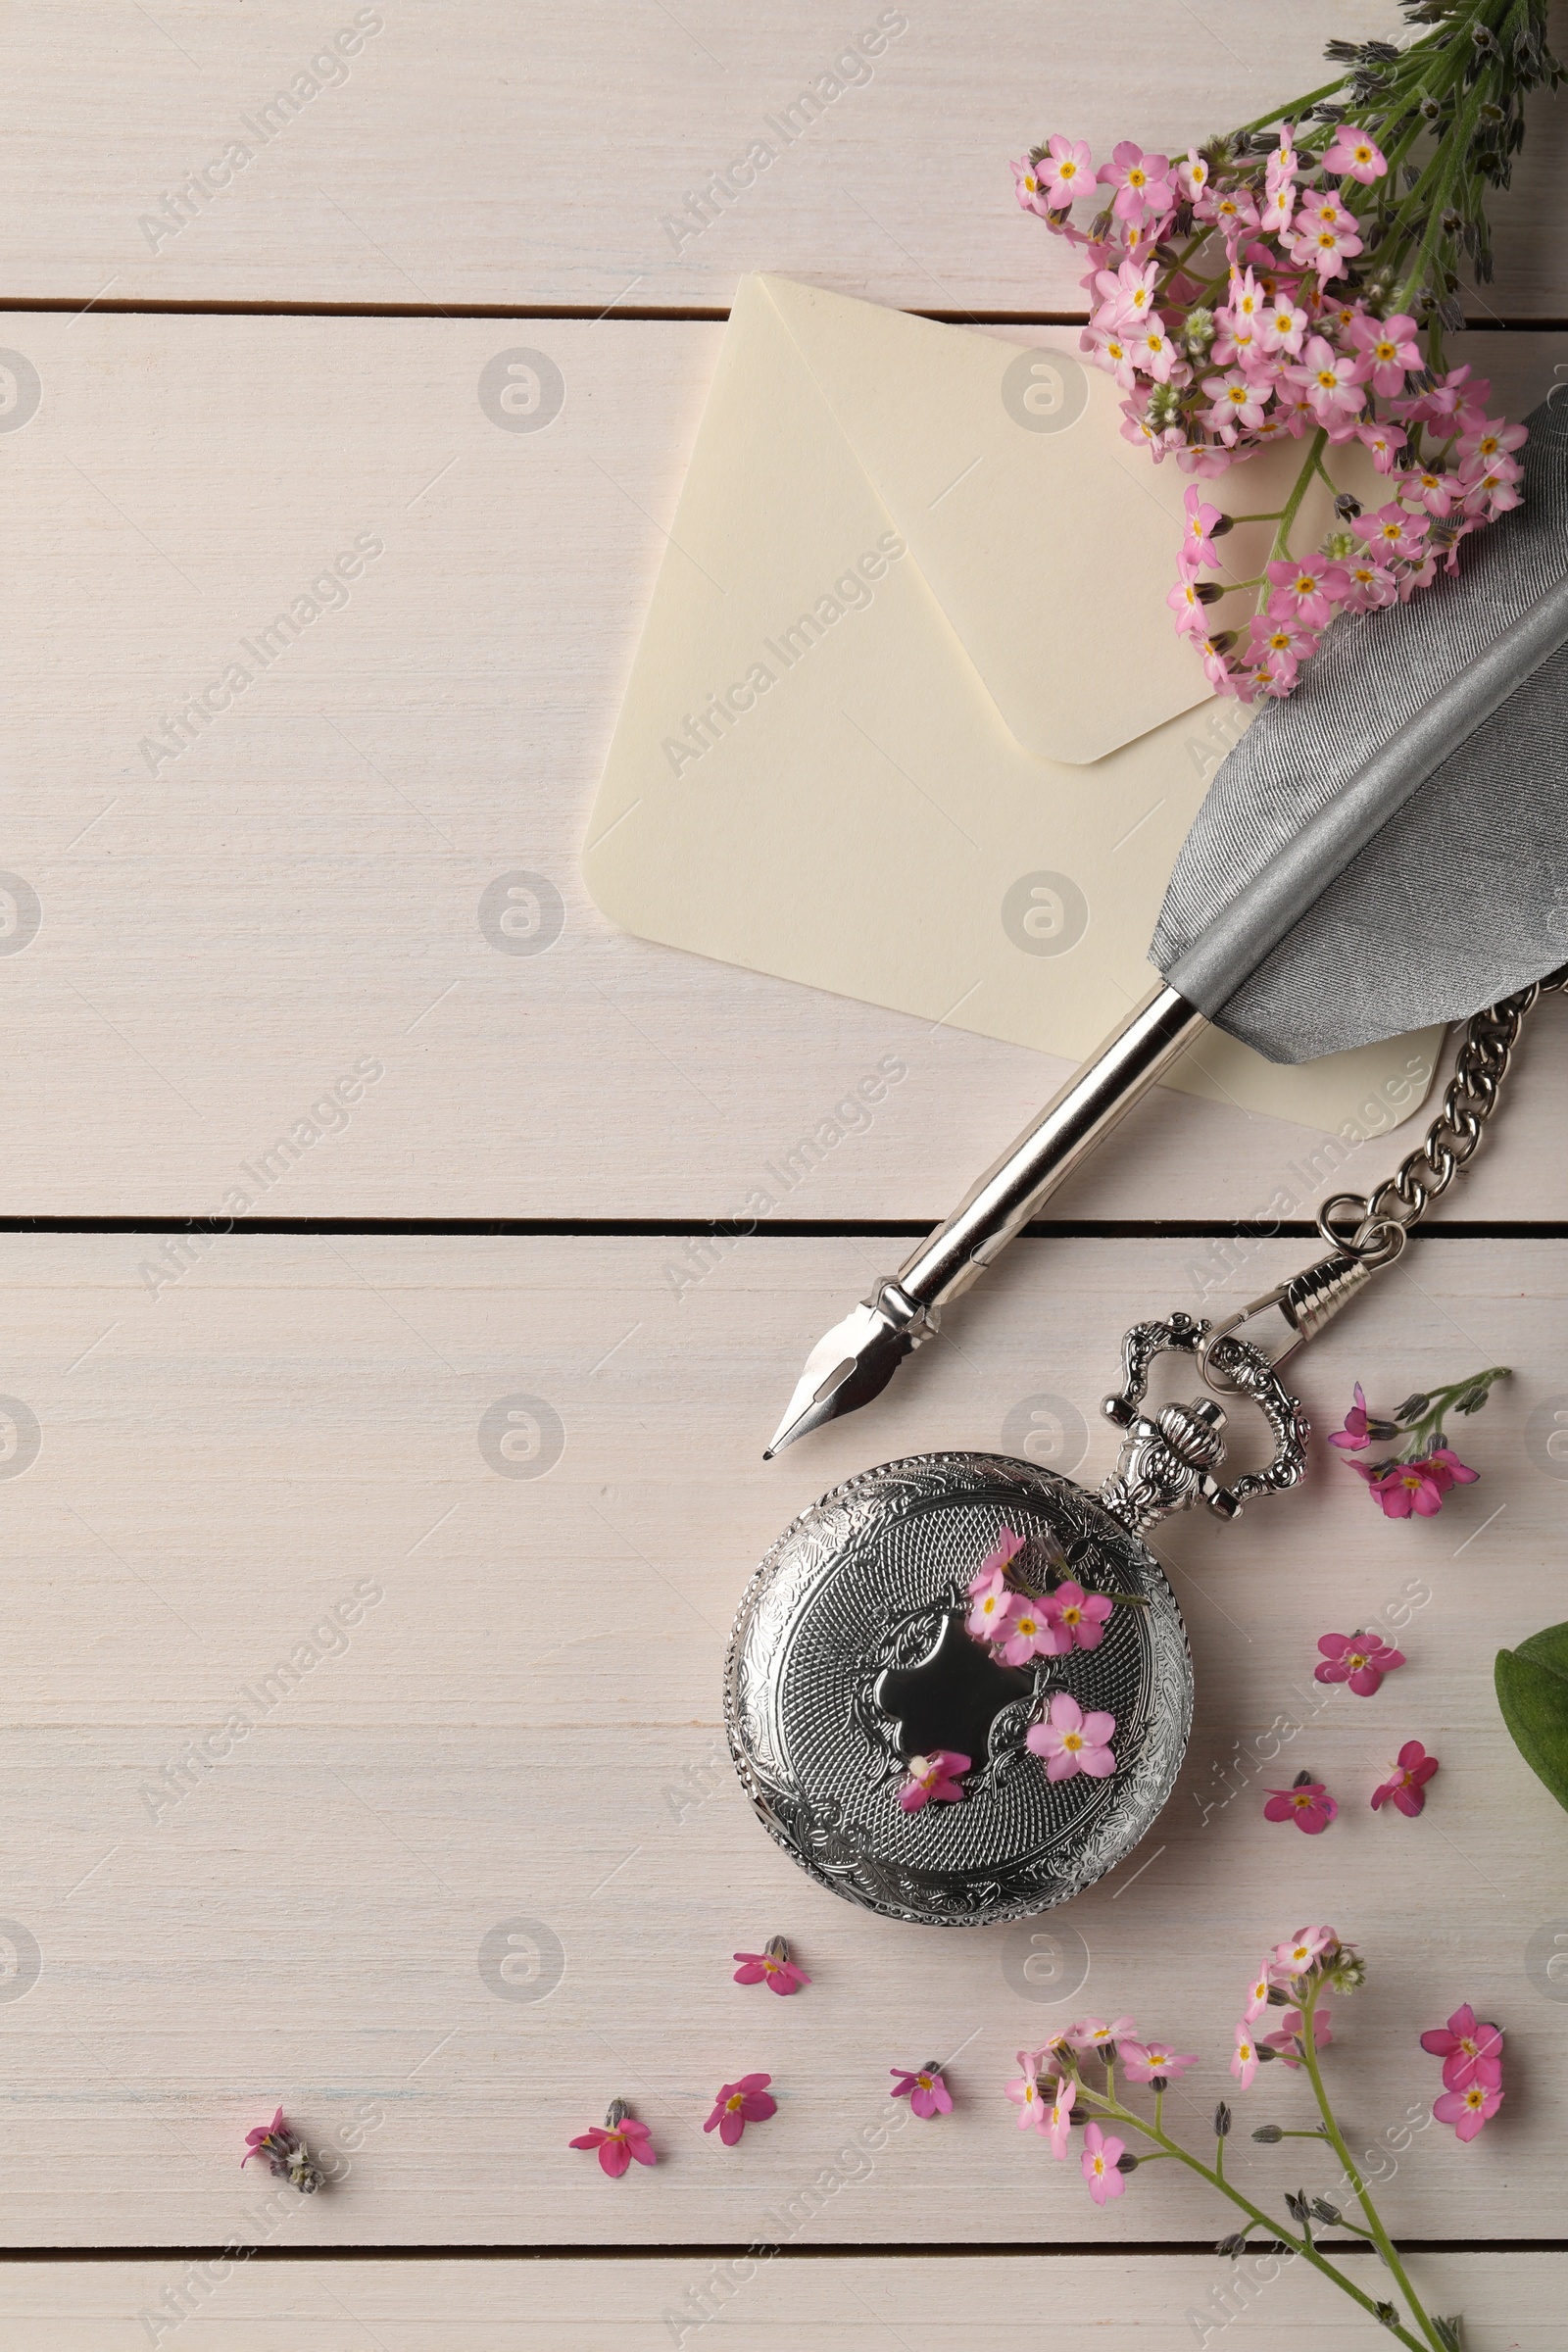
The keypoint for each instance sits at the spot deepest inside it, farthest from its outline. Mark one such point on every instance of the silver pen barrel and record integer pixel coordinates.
(854, 1361)
(1073, 1122)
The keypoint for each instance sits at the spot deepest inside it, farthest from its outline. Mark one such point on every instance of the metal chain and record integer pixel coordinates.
(1382, 1220)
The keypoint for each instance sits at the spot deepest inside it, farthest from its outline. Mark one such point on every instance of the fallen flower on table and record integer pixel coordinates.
(1402, 1489)
(1307, 1802)
(773, 1968)
(1361, 1427)
(1072, 1741)
(924, 2090)
(739, 2104)
(1471, 2051)
(1360, 1659)
(1408, 1787)
(285, 2154)
(1312, 1963)
(935, 1778)
(1414, 1482)
(1468, 2109)
(620, 2142)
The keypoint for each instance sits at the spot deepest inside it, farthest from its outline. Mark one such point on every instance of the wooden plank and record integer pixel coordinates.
(236, 931)
(1511, 2303)
(486, 155)
(500, 1702)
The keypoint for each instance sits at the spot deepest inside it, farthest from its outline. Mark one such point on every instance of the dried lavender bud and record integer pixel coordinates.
(1269, 2134)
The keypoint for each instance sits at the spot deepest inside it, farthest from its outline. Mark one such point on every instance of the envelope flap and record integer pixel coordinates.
(1048, 538)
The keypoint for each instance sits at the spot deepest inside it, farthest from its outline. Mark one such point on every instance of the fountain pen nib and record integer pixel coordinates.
(849, 1366)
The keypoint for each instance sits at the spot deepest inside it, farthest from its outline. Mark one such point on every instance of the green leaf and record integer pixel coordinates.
(1549, 1647)
(1531, 1685)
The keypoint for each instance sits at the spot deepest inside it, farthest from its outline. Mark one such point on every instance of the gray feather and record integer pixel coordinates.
(1462, 896)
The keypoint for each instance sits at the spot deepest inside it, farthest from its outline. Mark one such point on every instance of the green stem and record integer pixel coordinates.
(1302, 2245)
(1380, 2237)
(1280, 551)
(1293, 505)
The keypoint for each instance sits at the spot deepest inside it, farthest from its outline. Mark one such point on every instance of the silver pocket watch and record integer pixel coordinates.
(849, 1655)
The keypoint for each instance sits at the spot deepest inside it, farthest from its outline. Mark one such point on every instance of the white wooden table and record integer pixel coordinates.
(514, 1714)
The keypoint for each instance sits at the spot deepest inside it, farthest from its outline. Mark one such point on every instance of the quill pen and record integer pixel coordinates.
(1379, 851)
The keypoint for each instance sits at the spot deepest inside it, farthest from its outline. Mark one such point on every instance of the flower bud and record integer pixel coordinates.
(1102, 225)
(1326, 2212)
(1222, 2121)
(1127, 2164)
(1340, 546)
(1388, 2316)
(1233, 2245)
(1269, 2134)
(1348, 508)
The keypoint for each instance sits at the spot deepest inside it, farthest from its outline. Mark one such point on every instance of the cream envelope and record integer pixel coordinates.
(908, 719)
